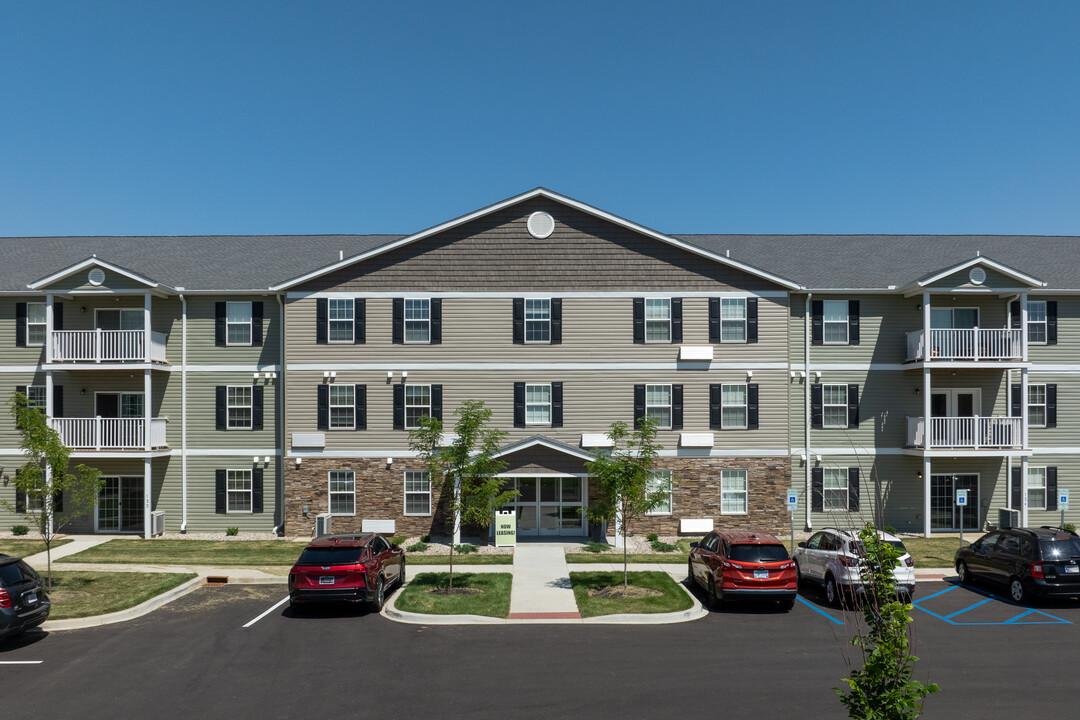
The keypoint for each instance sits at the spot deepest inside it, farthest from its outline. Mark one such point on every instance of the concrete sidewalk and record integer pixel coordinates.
(77, 545)
(541, 589)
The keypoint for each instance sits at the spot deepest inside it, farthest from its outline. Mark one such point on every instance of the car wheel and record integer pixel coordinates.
(401, 573)
(714, 599)
(690, 572)
(798, 575)
(787, 604)
(832, 592)
(380, 595)
(1018, 591)
(963, 573)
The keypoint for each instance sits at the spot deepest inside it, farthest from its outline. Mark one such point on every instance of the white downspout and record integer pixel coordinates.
(806, 388)
(279, 414)
(183, 414)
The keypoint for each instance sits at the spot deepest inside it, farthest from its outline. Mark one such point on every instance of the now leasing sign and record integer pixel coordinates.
(505, 528)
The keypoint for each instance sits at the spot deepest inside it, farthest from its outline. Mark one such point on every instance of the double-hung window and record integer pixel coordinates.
(657, 320)
(417, 492)
(733, 492)
(35, 323)
(238, 490)
(340, 320)
(417, 404)
(238, 323)
(1036, 322)
(342, 492)
(658, 405)
(537, 320)
(659, 484)
(835, 322)
(35, 396)
(733, 407)
(239, 406)
(732, 319)
(417, 320)
(834, 406)
(1036, 488)
(342, 407)
(538, 404)
(835, 488)
(1037, 405)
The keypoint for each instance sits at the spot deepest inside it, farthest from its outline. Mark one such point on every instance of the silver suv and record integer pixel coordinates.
(831, 558)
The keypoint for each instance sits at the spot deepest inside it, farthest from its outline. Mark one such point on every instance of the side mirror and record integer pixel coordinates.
(395, 546)
(802, 545)
(694, 544)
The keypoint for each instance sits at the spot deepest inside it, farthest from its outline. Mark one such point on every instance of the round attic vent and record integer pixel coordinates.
(541, 225)
(96, 276)
(977, 276)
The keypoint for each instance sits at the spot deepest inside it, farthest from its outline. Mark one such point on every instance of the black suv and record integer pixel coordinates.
(23, 602)
(1031, 562)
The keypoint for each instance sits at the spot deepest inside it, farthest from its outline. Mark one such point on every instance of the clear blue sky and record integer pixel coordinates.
(201, 117)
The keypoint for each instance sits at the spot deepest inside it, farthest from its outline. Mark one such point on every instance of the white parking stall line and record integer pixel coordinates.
(267, 612)
(21, 662)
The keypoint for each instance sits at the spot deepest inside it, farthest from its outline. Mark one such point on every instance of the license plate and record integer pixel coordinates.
(761, 574)
(1072, 568)
(30, 598)
(326, 580)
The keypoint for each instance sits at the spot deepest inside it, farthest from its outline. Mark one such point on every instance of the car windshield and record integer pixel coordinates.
(758, 553)
(330, 556)
(1060, 549)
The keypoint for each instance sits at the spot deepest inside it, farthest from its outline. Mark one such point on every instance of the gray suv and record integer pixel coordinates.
(23, 602)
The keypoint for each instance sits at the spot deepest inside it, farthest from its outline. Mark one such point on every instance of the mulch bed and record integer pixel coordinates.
(454, 591)
(619, 591)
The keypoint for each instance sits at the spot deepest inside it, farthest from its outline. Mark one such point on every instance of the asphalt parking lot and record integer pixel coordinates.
(237, 650)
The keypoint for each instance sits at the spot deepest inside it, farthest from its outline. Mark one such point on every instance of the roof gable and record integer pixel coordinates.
(90, 264)
(995, 274)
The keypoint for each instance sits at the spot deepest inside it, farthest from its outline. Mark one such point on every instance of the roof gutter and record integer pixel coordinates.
(183, 414)
(806, 413)
(279, 413)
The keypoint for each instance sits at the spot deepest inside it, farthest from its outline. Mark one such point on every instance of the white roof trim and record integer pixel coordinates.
(557, 447)
(539, 192)
(91, 262)
(981, 260)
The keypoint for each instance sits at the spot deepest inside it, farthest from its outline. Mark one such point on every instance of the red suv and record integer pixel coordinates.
(355, 568)
(733, 564)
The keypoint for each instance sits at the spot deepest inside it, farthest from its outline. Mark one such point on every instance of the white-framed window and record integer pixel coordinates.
(342, 407)
(835, 322)
(417, 492)
(658, 405)
(239, 406)
(733, 320)
(835, 489)
(35, 396)
(537, 320)
(1036, 488)
(657, 319)
(417, 320)
(538, 404)
(238, 491)
(660, 482)
(1036, 318)
(342, 492)
(417, 404)
(834, 411)
(1036, 405)
(35, 323)
(238, 323)
(733, 407)
(340, 320)
(733, 492)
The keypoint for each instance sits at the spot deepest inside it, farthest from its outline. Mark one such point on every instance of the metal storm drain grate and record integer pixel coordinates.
(215, 581)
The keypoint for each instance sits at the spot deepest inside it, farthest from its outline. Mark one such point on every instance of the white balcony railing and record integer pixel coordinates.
(98, 433)
(966, 344)
(966, 432)
(107, 346)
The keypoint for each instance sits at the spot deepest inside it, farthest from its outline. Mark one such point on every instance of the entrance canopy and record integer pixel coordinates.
(543, 456)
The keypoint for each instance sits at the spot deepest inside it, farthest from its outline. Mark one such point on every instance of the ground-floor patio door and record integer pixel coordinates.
(944, 514)
(549, 506)
(120, 505)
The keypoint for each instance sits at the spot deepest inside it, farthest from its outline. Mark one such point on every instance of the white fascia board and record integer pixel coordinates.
(92, 262)
(551, 446)
(983, 260)
(539, 192)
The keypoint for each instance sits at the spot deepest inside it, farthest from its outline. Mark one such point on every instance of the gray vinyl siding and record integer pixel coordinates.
(1067, 432)
(1068, 476)
(884, 321)
(1067, 350)
(9, 353)
(200, 334)
(201, 413)
(201, 495)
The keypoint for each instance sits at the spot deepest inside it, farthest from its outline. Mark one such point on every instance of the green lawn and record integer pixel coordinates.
(673, 598)
(471, 559)
(936, 552)
(494, 601)
(220, 553)
(26, 548)
(78, 593)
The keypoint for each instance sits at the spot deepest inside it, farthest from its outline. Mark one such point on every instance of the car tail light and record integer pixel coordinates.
(725, 563)
(909, 561)
(5, 600)
(361, 568)
(1036, 571)
(849, 561)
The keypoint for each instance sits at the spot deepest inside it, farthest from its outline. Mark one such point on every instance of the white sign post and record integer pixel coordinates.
(1063, 504)
(792, 504)
(961, 502)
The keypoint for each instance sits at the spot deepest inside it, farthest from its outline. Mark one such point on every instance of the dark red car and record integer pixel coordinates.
(354, 568)
(743, 564)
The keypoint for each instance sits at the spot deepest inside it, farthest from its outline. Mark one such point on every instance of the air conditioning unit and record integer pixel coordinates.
(1008, 518)
(157, 523)
(322, 524)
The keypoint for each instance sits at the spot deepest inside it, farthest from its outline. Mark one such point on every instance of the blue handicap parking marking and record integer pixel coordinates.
(1026, 616)
(816, 609)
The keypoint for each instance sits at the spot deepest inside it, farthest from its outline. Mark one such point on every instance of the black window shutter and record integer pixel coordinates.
(752, 406)
(817, 489)
(639, 405)
(676, 407)
(556, 321)
(1051, 488)
(853, 406)
(219, 324)
(257, 407)
(1015, 491)
(1051, 322)
(58, 315)
(322, 321)
(714, 407)
(1016, 409)
(853, 322)
(221, 410)
(676, 320)
(58, 502)
(751, 320)
(639, 320)
(817, 323)
(257, 490)
(257, 323)
(817, 409)
(20, 502)
(360, 402)
(556, 404)
(58, 401)
(852, 488)
(1014, 315)
(519, 404)
(20, 324)
(359, 321)
(436, 402)
(323, 408)
(399, 407)
(399, 321)
(519, 321)
(714, 320)
(219, 492)
(436, 321)
(1051, 405)
(22, 390)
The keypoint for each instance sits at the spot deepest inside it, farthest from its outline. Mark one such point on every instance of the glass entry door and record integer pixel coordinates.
(944, 514)
(548, 506)
(120, 505)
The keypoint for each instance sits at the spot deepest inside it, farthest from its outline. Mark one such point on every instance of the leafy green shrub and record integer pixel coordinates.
(418, 547)
(465, 548)
(19, 529)
(425, 538)
(652, 537)
(663, 547)
(397, 539)
(1069, 527)
(890, 529)
(232, 532)
(596, 547)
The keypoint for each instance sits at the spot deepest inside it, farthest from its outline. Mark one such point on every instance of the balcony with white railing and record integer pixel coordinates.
(98, 433)
(974, 433)
(971, 344)
(107, 346)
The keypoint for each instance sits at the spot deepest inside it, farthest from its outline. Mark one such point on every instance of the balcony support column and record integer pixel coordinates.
(926, 496)
(1023, 492)
(146, 328)
(927, 425)
(147, 499)
(49, 329)
(48, 413)
(1024, 408)
(1023, 327)
(148, 394)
